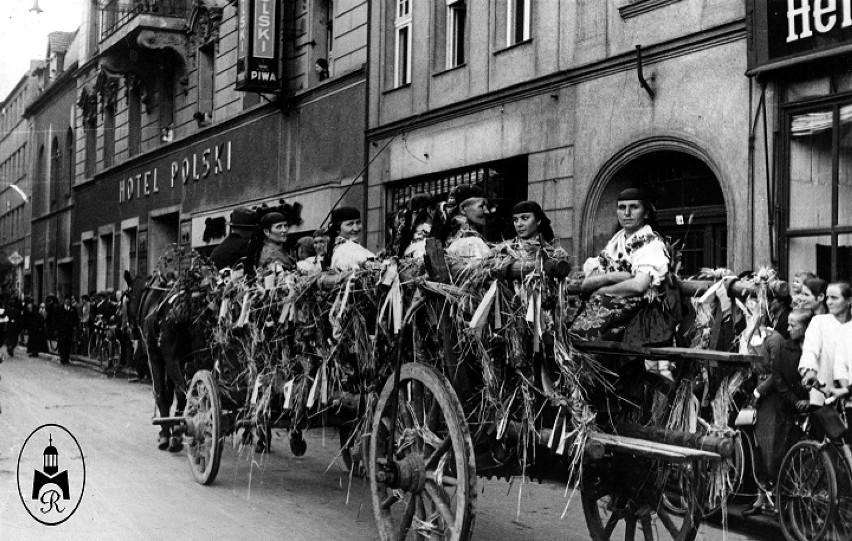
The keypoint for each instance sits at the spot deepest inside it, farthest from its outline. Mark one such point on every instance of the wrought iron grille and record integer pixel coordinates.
(114, 14)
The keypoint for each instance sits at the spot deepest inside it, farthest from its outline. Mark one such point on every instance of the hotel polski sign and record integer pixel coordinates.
(211, 161)
(257, 46)
(783, 32)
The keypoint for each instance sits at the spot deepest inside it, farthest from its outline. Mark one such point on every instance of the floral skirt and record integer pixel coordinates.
(604, 317)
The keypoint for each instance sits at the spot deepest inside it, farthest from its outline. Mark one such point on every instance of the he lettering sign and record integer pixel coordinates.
(264, 34)
(806, 16)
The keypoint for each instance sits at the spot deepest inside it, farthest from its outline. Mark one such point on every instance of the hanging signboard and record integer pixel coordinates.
(258, 46)
(784, 33)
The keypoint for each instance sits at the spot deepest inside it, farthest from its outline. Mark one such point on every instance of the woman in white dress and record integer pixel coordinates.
(345, 229)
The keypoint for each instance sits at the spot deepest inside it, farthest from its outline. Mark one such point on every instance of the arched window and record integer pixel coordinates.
(70, 159)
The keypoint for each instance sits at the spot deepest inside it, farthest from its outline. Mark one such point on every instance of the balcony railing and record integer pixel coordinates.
(117, 13)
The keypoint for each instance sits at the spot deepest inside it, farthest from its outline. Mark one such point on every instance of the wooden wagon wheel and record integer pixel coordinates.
(624, 494)
(732, 475)
(203, 416)
(429, 487)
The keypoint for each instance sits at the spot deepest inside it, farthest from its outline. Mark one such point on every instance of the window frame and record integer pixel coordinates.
(455, 34)
(402, 24)
(526, 30)
(784, 191)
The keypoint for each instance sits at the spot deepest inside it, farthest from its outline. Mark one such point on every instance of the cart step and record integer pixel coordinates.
(651, 449)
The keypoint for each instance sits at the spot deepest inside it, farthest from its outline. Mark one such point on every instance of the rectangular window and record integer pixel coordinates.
(109, 135)
(456, 21)
(206, 87)
(134, 120)
(402, 43)
(91, 132)
(819, 188)
(517, 21)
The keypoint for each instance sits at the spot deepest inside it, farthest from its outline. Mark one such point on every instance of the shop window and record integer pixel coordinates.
(818, 190)
(109, 135)
(105, 272)
(504, 181)
(142, 252)
(456, 23)
(517, 21)
(402, 43)
(129, 250)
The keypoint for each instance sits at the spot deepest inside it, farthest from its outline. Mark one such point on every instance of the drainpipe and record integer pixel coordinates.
(365, 199)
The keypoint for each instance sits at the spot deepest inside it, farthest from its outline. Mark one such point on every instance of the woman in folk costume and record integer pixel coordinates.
(345, 229)
(532, 230)
(273, 230)
(422, 229)
(627, 275)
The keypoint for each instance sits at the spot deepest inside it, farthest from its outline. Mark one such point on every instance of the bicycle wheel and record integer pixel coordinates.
(841, 526)
(807, 492)
(114, 356)
(103, 355)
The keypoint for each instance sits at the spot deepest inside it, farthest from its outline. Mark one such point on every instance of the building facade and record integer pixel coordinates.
(567, 103)
(799, 55)
(168, 146)
(52, 137)
(16, 186)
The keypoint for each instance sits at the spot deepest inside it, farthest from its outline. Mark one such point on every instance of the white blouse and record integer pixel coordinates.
(818, 348)
(349, 255)
(643, 251)
(843, 352)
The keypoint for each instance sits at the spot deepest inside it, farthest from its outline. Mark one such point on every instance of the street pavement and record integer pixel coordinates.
(134, 491)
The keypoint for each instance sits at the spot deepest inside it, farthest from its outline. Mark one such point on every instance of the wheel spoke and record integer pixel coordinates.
(405, 525)
(647, 528)
(611, 524)
(629, 528)
(443, 507)
(443, 447)
(667, 521)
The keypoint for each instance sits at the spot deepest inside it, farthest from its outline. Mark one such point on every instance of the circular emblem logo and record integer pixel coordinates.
(51, 474)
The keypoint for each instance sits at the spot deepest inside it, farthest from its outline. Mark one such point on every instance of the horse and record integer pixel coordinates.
(166, 346)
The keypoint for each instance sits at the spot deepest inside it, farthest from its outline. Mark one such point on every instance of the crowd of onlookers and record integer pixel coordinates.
(65, 327)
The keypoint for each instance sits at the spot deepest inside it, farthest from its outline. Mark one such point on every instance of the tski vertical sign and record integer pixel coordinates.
(257, 46)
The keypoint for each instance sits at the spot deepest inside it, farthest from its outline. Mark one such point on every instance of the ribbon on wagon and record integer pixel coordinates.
(244, 310)
(393, 306)
(480, 316)
(339, 308)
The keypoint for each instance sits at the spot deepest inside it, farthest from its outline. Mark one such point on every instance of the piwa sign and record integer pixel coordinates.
(785, 32)
(258, 46)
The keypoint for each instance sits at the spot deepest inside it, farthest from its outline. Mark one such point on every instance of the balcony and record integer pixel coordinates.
(120, 17)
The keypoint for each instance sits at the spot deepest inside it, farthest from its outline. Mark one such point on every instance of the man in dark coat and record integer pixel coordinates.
(66, 321)
(13, 326)
(235, 248)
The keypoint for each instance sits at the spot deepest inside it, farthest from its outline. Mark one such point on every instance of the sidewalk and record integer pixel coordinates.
(87, 362)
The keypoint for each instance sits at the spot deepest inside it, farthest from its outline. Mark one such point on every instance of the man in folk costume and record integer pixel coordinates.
(236, 246)
(469, 222)
(274, 227)
(627, 275)
(345, 231)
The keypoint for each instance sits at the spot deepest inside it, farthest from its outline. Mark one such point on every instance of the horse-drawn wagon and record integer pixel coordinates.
(438, 377)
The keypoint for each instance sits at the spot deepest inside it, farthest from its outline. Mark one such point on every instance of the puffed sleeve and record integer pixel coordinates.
(651, 258)
(350, 256)
(811, 347)
(843, 353)
(591, 265)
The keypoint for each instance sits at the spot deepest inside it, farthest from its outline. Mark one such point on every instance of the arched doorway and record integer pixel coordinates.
(690, 205)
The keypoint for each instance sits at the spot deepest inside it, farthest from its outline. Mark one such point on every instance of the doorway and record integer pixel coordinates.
(690, 206)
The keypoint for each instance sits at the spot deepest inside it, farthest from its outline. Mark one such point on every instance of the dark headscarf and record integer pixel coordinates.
(338, 216)
(639, 194)
(544, 228)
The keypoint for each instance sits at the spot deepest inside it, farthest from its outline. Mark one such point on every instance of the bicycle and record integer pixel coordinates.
(105, 346)
(814, 494)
